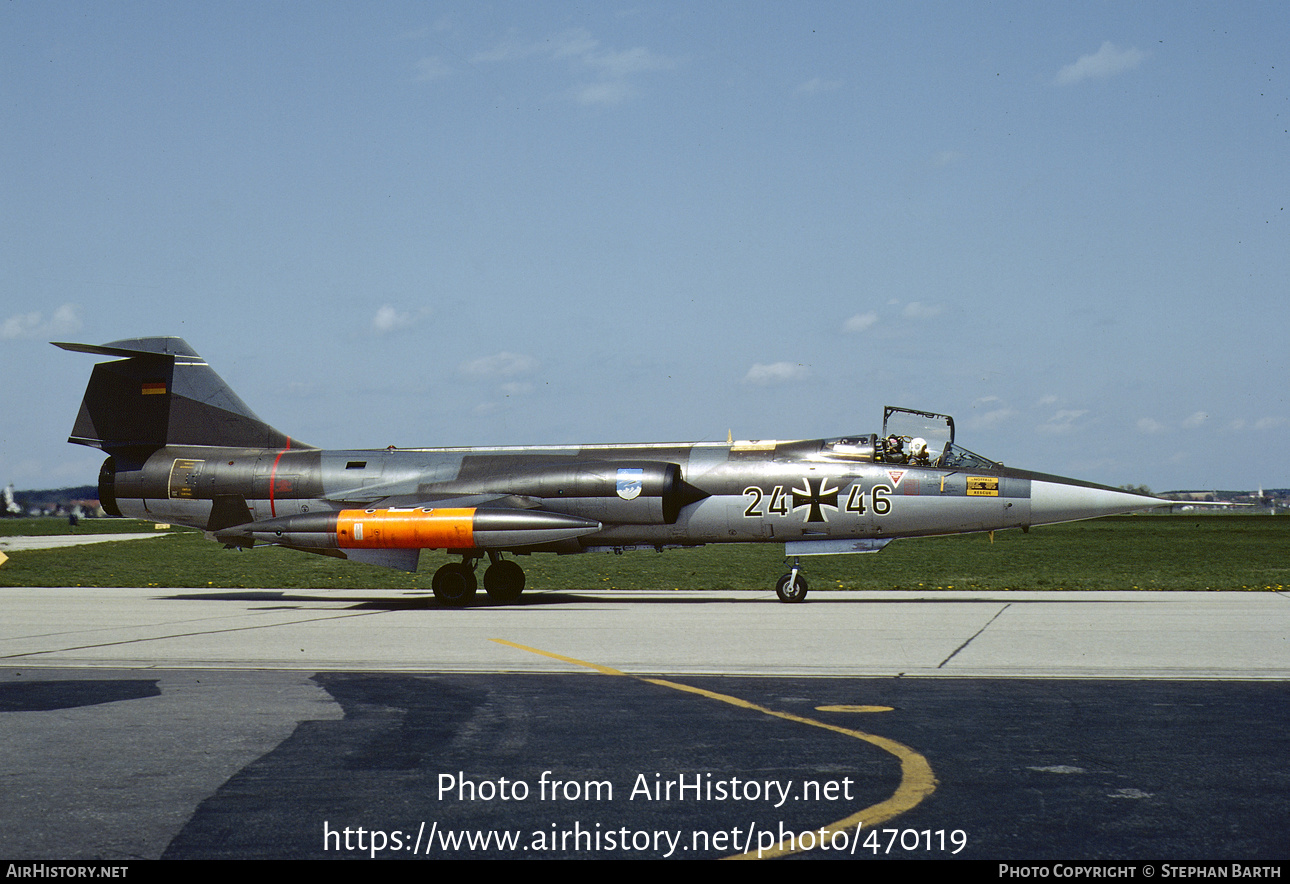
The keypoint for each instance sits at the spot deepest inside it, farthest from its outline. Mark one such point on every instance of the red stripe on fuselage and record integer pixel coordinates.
(273, 473)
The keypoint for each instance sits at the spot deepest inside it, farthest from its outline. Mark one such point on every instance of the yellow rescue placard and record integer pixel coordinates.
(983, 486)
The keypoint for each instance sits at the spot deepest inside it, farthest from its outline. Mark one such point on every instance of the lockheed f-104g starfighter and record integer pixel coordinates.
(183, 448)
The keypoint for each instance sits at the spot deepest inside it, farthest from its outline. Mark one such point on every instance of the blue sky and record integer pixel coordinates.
(479, 223)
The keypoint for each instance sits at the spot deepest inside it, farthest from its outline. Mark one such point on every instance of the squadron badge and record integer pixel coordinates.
(630, 482)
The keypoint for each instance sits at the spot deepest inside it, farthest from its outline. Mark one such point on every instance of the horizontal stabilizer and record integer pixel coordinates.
(159, 347)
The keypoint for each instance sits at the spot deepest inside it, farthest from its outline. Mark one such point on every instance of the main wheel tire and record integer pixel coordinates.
(454, 585)
(504, 581)
(790, 591)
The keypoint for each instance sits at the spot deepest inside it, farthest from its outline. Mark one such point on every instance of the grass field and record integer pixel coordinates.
(1125, 552)
(51, 526)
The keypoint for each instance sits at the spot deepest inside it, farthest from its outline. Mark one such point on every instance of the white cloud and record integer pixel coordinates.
(1150, 425)
(776, 373)
(605, 92)
(516, 388)
(390, 319)
(919, 310)
(629, 62)
(499, 365)
(387, 319)
(1195, 420)
(510, 49)
(21, 325)
(613, 71)
(815, 85)
(1268, 422)
(860, 322)
(65, 319)
(990, 411)
(1062, 421)
(1106, 62)
(994, 417)
(431, 68)
(572, 43)
(34, 324)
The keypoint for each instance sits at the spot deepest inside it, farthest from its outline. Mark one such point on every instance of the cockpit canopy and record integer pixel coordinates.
(920, 438)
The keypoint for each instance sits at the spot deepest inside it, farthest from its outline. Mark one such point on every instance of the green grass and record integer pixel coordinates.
(46, 527)
(1127, 552)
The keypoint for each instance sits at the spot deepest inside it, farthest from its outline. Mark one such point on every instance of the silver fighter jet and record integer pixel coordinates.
(183, 448)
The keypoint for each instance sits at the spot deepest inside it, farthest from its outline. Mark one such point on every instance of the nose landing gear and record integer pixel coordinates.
(791, 588)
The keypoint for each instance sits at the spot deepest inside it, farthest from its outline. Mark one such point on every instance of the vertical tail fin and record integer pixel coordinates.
(160, 392)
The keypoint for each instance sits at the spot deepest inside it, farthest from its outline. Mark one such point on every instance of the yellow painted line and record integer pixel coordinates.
(853, 709)
(916, 778)
(603, 670)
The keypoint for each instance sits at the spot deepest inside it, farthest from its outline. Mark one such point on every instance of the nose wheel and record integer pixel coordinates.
(791, 588)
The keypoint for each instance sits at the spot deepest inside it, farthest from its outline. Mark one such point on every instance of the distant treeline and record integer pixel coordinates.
(53, 497)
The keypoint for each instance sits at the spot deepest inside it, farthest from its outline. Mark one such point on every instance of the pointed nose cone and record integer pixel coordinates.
(1056, 500)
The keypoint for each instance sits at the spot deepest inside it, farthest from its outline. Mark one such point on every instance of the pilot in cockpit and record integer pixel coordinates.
(895, 452)
(918, 452)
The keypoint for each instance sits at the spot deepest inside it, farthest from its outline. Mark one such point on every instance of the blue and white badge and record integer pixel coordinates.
(630, 483)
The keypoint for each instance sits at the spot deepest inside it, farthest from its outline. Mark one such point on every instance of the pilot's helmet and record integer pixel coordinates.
(918, 446)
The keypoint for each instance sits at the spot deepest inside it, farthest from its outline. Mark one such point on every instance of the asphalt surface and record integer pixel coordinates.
(141, 723)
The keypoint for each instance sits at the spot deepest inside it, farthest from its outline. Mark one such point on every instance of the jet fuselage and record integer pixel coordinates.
(156, 410)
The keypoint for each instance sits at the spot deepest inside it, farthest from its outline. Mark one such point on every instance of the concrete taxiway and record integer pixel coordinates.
(243, 723)
(1045, 634)
(53, 541)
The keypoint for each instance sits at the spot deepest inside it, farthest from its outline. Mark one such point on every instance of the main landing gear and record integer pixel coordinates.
(455, 585)
(792, 586)
(503, 580)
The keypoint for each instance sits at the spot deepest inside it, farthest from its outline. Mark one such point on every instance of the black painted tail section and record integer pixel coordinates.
(160, 392)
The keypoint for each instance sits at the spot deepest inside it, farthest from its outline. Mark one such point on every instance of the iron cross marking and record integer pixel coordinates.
(817, 497)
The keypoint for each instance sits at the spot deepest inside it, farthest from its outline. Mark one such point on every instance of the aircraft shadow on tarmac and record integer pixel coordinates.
(368, 601)
(298, 598)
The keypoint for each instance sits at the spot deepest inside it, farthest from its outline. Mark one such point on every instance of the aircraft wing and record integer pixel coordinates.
(441, 501)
